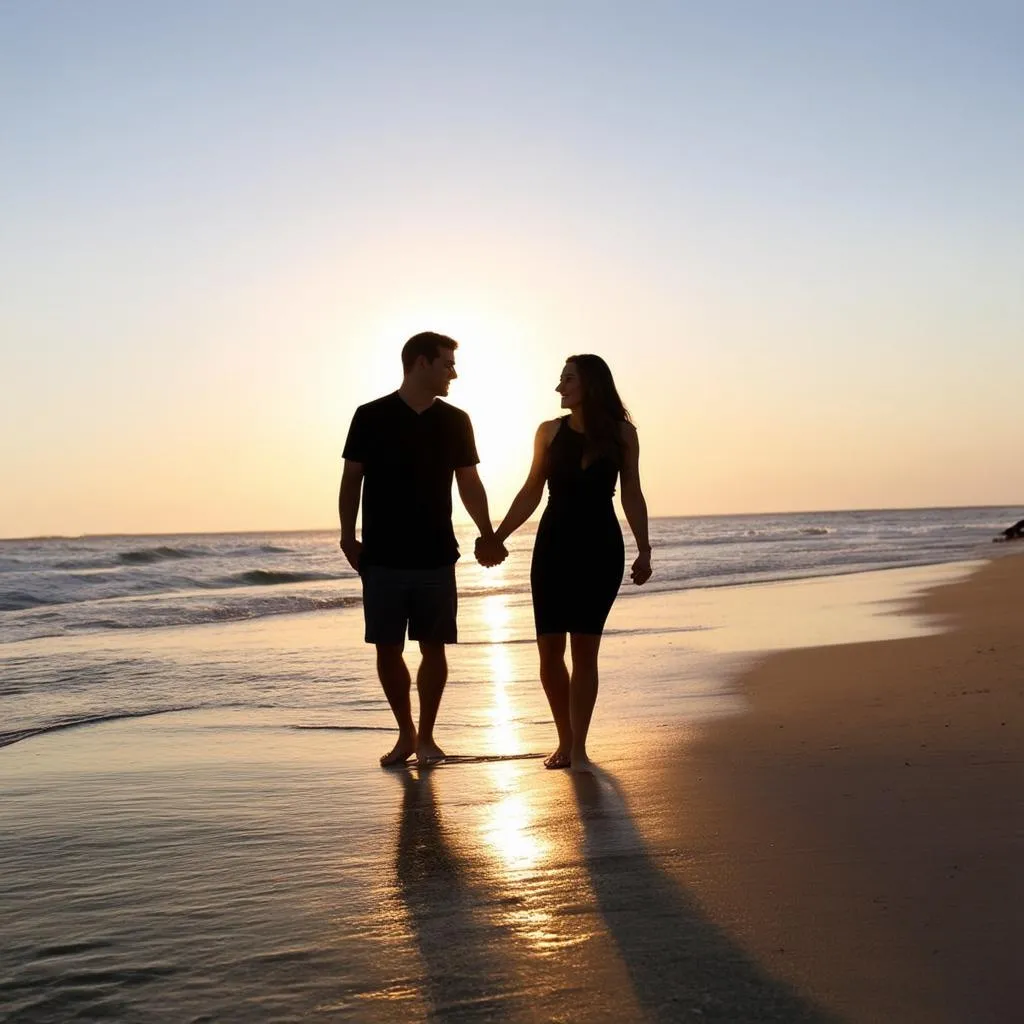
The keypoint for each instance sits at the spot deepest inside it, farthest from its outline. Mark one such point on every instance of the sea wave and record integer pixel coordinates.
(17, 735)
(117, 614)
(16, 601)
(272, 577)
(145, 556)
(345, 728)
(753, 536)
(164, 553)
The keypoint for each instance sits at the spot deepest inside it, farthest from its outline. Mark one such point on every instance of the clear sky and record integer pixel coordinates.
(795, 230)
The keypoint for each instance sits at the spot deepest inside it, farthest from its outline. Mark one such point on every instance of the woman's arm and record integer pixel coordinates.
(633, 503)
(528, 498)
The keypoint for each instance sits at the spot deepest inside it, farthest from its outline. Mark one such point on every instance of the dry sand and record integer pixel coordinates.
(860, 831)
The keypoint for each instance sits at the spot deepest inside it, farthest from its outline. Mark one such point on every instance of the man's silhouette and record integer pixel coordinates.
(402, 452)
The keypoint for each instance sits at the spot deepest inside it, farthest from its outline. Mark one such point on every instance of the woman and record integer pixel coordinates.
(579, 556)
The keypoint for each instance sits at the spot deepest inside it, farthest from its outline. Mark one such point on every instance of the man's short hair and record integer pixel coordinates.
(428, 344)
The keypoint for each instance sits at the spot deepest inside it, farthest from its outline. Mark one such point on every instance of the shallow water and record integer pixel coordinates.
(314, 668)
(251, 862)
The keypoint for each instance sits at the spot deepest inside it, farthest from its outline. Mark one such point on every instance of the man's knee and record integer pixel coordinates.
(433, 653)
(390, 654)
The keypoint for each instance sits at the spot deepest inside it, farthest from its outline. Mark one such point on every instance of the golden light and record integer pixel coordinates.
(511, 829)
(505, 382)
(508, 828)
(508, 832)
(502, 735)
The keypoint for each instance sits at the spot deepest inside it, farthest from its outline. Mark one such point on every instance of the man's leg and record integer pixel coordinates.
(430, 680)
(394, 678)
(432, 622)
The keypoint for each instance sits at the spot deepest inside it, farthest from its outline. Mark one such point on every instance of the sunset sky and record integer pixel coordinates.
(794, 230)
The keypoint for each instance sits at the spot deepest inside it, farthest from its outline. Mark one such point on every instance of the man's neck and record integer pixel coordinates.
(415, 397)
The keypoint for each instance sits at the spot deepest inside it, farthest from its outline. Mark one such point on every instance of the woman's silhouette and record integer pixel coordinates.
(578, 557)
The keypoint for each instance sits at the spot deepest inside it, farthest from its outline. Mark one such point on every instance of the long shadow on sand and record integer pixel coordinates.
(466, 976)
(681, 965)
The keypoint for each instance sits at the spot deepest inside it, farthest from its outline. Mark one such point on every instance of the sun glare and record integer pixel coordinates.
(505, 381)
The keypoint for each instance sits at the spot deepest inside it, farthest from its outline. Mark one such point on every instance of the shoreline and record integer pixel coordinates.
(702, 636)
(858, 830)
(467, 525)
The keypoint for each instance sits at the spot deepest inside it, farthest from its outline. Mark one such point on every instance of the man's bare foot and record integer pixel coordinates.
(559, 759)
(428, 752)
(400, 752)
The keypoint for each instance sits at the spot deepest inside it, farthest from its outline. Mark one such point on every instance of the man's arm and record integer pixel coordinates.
(348, 510)
(487, 549)
(474, 498)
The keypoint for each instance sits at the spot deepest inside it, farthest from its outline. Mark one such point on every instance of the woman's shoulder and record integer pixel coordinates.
(627, 432)
(549, 428)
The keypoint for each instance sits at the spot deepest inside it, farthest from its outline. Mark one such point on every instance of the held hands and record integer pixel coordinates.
(490, 551)
(641, 571)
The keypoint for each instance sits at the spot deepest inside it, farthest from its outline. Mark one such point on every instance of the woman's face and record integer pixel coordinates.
(570, 387)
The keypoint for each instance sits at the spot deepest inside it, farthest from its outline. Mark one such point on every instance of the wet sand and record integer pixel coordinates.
(251, 865)
(861, 831)
(217, 868)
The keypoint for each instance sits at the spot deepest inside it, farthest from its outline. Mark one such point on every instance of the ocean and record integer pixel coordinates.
(93, 628)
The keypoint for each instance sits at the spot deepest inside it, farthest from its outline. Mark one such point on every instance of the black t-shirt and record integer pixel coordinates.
(409, 460)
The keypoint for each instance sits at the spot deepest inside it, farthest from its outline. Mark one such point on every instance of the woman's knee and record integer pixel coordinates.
(551, 649)
(585, 648)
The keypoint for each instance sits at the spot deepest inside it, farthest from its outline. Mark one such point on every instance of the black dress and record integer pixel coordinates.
(579, 556)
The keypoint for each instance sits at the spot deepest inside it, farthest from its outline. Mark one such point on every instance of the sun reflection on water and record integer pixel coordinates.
(503, 734)
(507, 830)
(513, 832)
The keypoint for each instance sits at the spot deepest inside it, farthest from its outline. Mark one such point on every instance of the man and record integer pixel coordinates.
(402, 452)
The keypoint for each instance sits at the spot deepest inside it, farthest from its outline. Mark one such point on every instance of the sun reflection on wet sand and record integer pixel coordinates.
(508, 829)
(529, 862)
(503, 733)
(525, 860)
(510, 833)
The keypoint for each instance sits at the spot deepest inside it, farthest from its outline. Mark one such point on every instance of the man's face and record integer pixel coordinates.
(441, 372)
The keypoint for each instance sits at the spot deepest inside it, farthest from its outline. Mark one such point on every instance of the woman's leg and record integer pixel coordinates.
(582, 695)
(555, 678)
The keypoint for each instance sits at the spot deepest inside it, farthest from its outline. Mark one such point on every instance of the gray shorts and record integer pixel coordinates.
(423, 600)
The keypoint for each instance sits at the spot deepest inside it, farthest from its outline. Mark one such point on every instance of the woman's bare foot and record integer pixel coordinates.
(582, 763)
(400, 752)
(428, 752)
(559, 759)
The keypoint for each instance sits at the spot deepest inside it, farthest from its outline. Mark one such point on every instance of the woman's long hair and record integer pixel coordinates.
(602, 409)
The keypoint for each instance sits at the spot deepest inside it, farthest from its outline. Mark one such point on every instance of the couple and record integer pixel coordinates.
(400, 456)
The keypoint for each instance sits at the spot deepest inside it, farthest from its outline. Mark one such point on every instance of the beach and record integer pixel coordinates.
(807, 809)
(861, 829)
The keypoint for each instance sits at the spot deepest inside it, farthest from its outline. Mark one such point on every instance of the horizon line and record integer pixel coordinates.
(334, 528)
